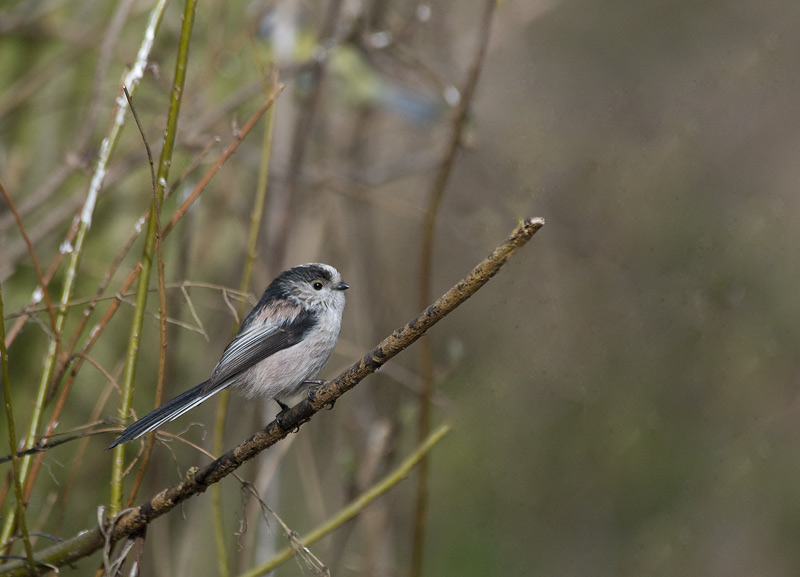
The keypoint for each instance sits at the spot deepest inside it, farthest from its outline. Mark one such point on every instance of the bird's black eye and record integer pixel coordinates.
(317, 285)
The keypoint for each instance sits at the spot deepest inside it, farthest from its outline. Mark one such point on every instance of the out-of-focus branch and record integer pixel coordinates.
(353, 508)
(281, 199)
(198, 480)
(256, 215)
(426, 267)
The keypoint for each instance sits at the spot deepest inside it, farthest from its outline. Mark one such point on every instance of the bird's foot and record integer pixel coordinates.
(279, 418)
(312, 393)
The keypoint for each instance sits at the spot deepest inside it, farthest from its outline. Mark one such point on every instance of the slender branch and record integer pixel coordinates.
(198, 480)
(282, 198)
(162, 312)
(227, 153)
(146, 262)
(42, 289)
(12, 442)
(51, 443)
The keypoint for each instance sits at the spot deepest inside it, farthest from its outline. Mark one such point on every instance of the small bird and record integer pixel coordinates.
(282, 344)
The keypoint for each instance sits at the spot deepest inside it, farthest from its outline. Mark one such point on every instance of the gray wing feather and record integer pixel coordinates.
(254, 343)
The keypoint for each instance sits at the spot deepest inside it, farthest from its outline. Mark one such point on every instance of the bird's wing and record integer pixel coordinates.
(254, 343)
(257, 342)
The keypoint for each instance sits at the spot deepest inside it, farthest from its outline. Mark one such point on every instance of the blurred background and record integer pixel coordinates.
(623, 395)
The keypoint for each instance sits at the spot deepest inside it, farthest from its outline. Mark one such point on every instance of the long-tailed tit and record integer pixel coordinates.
(282, 344)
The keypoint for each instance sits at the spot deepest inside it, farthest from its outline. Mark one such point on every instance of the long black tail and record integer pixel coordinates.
(167, 412)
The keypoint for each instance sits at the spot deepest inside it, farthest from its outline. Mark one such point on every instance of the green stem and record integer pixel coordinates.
(12, 441)
(146, 262)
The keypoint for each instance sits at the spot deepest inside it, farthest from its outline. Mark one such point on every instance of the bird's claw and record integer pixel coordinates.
(280, 417)
(312, 393)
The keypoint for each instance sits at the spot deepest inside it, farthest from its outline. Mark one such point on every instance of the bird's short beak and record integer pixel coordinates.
(342, 286)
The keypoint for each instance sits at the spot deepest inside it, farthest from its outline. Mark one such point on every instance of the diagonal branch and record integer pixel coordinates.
(197, 481)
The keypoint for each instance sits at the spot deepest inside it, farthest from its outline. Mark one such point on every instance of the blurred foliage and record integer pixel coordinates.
(623, 395)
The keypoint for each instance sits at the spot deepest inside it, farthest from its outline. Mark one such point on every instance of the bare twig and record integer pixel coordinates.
(224, 157)
(41, 278)
(12, 442)
(162, 309)
(51, 443)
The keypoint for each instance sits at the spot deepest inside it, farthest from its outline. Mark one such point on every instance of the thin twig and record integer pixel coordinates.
(164, 163)
(45, 445)
(145, 458)
(237, 140)
(40, 277)
(282, 198)
(12, 442)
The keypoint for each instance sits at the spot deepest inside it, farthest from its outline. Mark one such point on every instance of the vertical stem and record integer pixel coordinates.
(146, 261)
(162, 310)
(12, 441)
(426, 266)
(281, 200)
(256, 216)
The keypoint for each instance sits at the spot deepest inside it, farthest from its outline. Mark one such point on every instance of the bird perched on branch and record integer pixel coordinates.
(282, 344)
